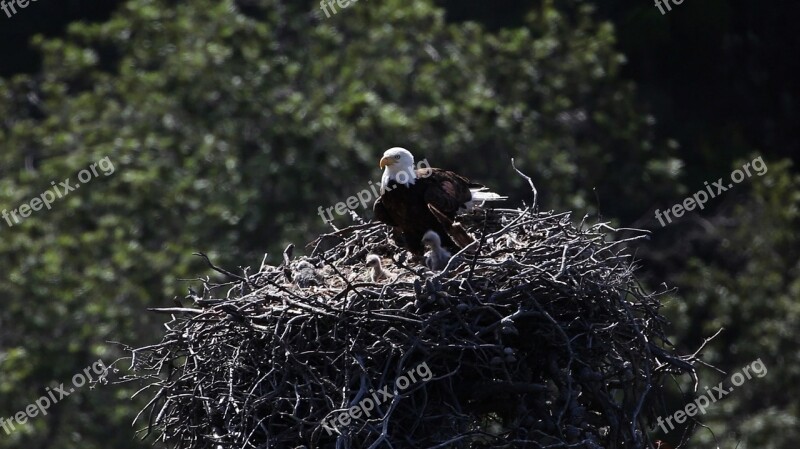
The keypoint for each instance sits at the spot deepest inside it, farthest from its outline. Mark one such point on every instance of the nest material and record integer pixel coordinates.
(537, 335)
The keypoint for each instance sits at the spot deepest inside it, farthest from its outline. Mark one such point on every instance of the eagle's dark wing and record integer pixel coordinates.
(381, 214)
(446, 191)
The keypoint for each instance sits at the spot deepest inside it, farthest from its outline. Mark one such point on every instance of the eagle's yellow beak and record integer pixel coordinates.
(387, 161)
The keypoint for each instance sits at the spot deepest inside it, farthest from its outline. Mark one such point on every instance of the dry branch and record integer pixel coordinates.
(538, 335)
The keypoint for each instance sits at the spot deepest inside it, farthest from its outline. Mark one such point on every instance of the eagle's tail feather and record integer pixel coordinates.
(482, 194)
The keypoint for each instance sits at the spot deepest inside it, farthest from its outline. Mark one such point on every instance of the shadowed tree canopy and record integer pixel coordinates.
(229, 123)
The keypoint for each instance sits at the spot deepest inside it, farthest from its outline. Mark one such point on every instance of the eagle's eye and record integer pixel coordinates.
(397, 157)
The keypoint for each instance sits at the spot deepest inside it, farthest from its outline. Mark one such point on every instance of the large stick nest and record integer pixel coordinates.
(537, 335)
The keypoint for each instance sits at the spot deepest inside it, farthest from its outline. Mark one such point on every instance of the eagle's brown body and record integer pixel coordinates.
(406, 207)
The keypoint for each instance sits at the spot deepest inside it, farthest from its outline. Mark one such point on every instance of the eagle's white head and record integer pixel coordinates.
(398, 165)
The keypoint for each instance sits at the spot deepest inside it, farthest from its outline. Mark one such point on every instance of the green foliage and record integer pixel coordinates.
(227, 131)
(749, 285)
(229, 127)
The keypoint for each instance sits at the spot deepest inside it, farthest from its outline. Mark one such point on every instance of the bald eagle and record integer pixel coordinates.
(307, 275)
(436, 259)
(412, 198)
(378, 273)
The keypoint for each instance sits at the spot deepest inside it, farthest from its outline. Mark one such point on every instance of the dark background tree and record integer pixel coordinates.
(230, 123)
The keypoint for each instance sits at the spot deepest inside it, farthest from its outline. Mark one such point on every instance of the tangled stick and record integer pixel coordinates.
(538, 335)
